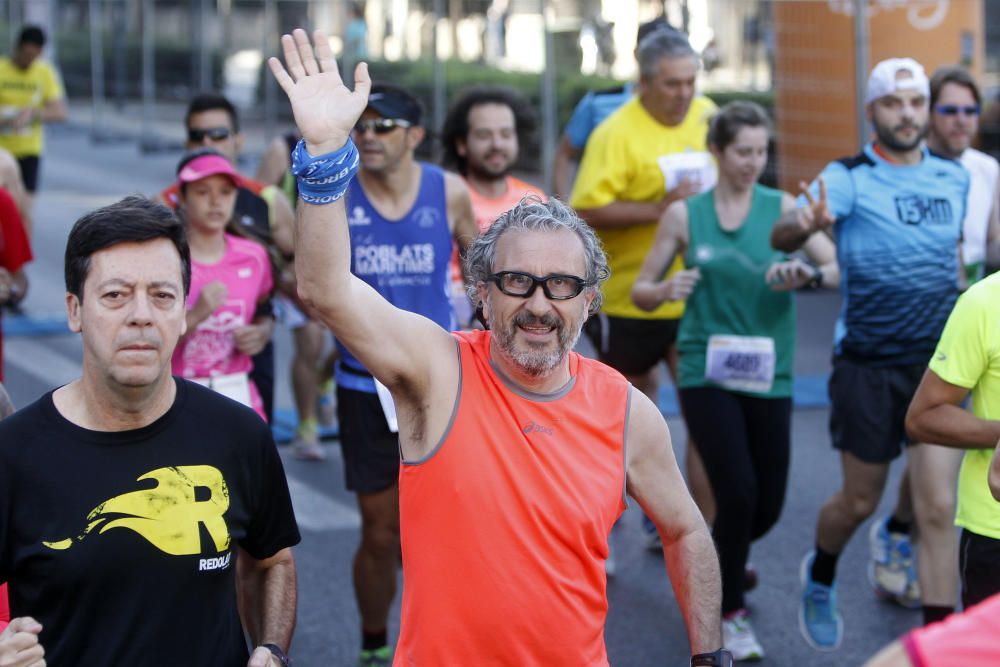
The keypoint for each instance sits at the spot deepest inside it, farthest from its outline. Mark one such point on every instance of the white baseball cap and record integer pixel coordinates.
(882, 81)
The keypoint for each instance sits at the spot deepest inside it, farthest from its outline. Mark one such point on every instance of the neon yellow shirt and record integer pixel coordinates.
(968, 355)
(21, 89)
(622, 162)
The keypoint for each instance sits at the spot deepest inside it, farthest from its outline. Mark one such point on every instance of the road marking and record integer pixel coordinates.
(315, 511)
(41, 362)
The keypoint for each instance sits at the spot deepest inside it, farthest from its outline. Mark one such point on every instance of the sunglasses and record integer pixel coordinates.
(954, 109)
(556, 286)
(381, 125)
(196, 136)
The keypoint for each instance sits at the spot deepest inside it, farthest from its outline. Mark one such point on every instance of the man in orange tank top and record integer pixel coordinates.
(482, 137)
(505, 511)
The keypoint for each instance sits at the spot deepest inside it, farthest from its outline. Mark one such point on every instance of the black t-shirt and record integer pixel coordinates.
(123, 545)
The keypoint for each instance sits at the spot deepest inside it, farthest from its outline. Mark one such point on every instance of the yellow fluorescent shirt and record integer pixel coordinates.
(622, 162)
(21, 89)
(968, 355)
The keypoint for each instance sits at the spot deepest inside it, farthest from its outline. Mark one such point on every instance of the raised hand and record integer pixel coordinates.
(816, 215)
(325, 110)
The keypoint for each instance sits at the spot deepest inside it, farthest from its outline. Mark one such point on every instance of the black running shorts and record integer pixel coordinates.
(371, 450)
(868, 408)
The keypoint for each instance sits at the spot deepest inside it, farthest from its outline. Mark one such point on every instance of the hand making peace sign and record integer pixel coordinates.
(816, 215)
(325, 110)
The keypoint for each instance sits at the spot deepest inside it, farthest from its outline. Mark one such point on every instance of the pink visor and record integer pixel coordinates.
(205, 166)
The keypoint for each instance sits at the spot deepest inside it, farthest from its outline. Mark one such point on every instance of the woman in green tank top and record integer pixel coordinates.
(736, 341)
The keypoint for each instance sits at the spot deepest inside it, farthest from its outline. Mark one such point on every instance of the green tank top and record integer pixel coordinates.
(736, 332)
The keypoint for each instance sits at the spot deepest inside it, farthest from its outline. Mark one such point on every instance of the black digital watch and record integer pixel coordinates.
(720, 658)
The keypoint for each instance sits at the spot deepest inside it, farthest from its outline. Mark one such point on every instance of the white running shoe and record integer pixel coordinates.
(738, 637)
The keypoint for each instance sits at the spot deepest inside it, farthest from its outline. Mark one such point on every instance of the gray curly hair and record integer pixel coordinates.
(530, 214)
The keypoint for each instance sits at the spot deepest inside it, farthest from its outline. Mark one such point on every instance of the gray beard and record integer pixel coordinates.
(534, 363)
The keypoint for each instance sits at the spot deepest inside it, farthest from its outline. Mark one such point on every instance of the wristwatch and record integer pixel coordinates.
(720, 658)
(278, 653)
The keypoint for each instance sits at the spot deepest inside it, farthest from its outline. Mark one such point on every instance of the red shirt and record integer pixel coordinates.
(15, 250)
(504, 527)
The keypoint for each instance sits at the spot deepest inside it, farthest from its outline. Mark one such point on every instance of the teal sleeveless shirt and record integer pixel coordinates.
(732, 308)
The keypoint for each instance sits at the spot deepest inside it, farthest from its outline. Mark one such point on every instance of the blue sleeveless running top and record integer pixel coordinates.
(405, 260)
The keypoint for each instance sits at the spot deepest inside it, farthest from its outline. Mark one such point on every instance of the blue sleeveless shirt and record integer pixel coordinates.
(405, 260)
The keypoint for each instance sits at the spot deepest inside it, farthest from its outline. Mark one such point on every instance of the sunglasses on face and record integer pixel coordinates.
(196, 136)
(954, 109)
(556, 286)
(380, 125)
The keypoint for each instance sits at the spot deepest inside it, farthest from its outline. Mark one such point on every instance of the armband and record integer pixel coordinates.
(720, 658)
(324, 179)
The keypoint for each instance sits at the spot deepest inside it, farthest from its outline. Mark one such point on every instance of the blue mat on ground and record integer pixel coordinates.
(285, 421)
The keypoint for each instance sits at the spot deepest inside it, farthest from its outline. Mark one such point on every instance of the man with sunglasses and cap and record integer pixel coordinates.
(954, 125)
(403, 216)
(965, 362)
(516, 452)
(895, 211)
(212, 123)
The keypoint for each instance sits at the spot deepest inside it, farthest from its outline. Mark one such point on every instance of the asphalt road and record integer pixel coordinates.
(644, 624)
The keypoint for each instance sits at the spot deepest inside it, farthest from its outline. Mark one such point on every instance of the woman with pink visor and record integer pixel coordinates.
(230, 277)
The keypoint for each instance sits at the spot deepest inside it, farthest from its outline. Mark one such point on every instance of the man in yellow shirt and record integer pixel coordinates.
(967, 359)
(646, 155)
(30, 94)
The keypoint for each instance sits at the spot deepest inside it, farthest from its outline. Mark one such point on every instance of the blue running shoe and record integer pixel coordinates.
(892, 570)
(819, 621)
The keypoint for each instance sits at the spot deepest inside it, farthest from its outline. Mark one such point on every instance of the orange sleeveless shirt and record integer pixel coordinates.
(504, 527)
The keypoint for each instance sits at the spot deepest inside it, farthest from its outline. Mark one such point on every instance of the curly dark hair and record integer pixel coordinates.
(456, 123)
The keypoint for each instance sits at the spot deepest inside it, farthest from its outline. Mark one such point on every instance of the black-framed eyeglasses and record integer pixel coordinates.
(197, 135)
(381, 125)
(556, 286)
(955, 109)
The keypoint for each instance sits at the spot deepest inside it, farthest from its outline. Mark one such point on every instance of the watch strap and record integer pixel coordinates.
(278, 653)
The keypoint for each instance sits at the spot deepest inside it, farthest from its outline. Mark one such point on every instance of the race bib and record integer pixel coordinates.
(741, 363)
(234, 385)
(699, 168)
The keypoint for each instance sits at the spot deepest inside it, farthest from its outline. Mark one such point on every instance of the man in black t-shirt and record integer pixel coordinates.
(127, 497)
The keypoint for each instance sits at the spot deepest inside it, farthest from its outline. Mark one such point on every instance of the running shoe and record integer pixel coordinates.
(738, 637)
(308, 450)
(379, 657)
(819, 621)
(892, 570)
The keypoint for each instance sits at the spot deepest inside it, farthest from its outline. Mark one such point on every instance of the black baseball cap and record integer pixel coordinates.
(394, 102)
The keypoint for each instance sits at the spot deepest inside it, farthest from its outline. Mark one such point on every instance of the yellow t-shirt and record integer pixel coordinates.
(20, 89)
(968, 355)
(622, 162)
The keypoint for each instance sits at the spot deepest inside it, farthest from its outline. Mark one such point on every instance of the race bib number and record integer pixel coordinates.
(741, 363)
(234, 385)
(699, 168)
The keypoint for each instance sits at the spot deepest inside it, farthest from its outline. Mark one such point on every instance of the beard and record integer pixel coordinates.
(887, 137)
(536, 360)
(485, 172)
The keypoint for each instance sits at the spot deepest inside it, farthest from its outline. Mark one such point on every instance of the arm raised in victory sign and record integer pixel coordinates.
(403, 350)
